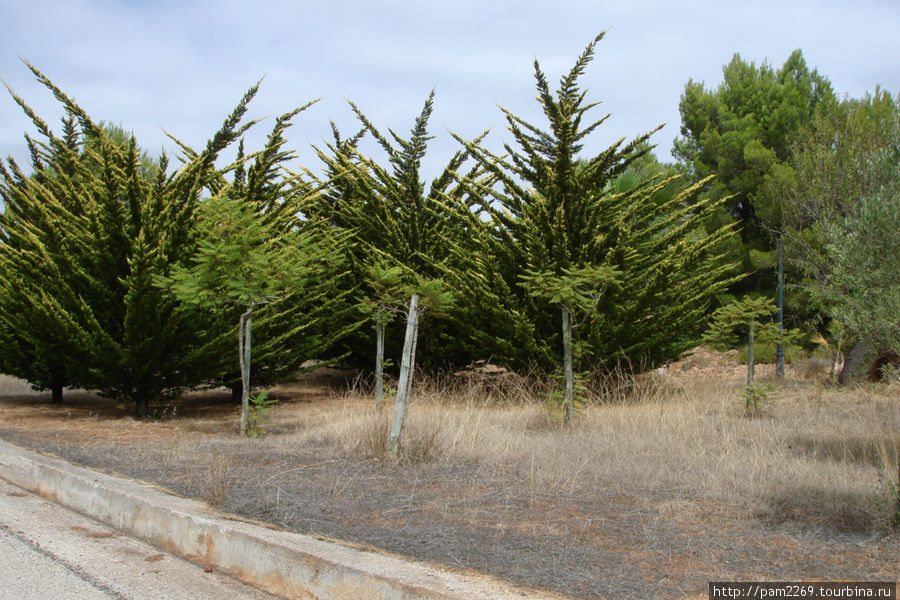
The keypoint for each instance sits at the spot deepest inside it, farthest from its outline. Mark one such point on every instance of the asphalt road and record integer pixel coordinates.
(48, 552)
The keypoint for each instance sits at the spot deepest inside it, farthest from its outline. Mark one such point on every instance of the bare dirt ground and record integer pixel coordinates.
(651, 496)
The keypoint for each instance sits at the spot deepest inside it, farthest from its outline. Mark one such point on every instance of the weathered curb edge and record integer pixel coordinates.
(286, 564)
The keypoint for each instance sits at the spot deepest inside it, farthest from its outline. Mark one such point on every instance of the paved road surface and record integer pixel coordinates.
(48, 552)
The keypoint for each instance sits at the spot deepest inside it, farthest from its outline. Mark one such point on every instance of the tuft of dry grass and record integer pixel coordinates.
(215, 484)
(10, 386)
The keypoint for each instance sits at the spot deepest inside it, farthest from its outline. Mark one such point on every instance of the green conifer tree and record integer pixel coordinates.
(309, 321)
(742, 131)
(554, 213)
(397, 221)
(84, 236)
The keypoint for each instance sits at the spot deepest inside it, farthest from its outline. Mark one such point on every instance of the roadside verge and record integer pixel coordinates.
(282, 563)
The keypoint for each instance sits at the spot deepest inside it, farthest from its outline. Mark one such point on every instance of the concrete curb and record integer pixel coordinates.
(282, 563)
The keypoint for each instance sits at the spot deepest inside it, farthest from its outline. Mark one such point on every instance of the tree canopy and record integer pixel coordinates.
(123, 275)
(84, 235)
(741, 132)
(555, 213)
(398, 222)
(861, 290)
(830, 170)
(743, 129)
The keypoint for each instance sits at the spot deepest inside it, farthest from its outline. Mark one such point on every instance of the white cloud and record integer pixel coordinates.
(183, 66)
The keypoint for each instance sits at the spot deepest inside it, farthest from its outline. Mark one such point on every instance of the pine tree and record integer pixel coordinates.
(742, 131)
(410, 241)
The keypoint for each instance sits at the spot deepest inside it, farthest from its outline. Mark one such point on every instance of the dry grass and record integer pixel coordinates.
(10, 386)
(814, 450)
(662, 485)
(214, 472)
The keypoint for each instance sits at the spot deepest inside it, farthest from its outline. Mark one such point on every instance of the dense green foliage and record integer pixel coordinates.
(121, 275)
(553, 212)
(832, 169)
(273, 250)
(87, 235)
(798, 163)
(827, 171)
(741, 132)
(252, 255)
(84, 235)
(399, 225)
(862, 291)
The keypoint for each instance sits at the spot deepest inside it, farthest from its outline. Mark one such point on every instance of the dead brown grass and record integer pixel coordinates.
(815, 450)
(662, 486)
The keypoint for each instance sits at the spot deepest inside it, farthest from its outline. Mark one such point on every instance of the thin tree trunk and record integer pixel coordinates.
(244, 327)
(779, 350)
(897, 489)
(141, 407)
(750, 355)
(837, 364)
(412, 365)
(245, 393)
(405, 380)
(56, 392)
(569, 399)
(852, 362)
(379, 365)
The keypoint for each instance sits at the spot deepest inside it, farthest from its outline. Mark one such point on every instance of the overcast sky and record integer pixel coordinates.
(163, 65)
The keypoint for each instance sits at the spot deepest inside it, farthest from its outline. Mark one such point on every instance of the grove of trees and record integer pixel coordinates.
(799, 164)
(123, 274)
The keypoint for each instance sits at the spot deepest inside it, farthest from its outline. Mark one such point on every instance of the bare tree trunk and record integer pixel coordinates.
(379, 365)
(852, 362)
(837, 365)
(405, 382)
(779, 350)
(750, 356)
(569, 399)
(244, 327)
(56, 392)
(897, 490)
(141, 407)
(412, 364)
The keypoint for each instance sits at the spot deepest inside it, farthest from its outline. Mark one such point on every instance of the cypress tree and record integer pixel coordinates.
(84, 237)
(396, 220)
(266, 265)
(553, 213)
